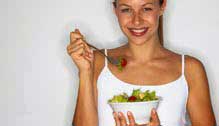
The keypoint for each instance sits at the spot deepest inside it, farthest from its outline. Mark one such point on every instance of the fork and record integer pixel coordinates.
(110, 59)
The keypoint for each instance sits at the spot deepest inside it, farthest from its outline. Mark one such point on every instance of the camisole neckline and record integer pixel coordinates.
(171, 83)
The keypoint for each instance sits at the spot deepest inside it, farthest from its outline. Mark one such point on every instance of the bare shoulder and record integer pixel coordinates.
(98, 62)
(194, 71)
(193, 65)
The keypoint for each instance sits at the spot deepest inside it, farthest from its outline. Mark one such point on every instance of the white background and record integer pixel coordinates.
(38, 79)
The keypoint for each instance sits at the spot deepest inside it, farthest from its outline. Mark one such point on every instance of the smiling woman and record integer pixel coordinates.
(176, 78)
(160, 28)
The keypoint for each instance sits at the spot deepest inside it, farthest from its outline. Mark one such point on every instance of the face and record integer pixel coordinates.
(139, 19)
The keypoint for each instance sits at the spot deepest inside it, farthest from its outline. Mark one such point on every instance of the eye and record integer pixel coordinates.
(125, 10)
(147, 9)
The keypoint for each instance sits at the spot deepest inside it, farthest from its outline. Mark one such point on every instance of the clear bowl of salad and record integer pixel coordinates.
(140, 103)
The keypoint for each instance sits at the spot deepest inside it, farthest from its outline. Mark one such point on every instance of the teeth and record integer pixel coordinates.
(138, 31)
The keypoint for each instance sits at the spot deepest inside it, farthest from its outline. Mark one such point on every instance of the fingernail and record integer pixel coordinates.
(129, 113)
(154, 111)
(120, 114)
(114, 114)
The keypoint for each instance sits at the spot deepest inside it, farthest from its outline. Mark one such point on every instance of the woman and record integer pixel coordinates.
(180, 80)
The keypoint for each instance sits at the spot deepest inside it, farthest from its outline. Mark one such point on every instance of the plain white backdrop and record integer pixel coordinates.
(38, 79)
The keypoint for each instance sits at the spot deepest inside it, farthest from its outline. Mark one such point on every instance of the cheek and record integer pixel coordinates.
(152, 19)
(123, 19)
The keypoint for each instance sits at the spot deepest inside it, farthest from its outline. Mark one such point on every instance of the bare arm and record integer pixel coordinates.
(199, 103)
(82, 55)
(86, 108)
(86, 111)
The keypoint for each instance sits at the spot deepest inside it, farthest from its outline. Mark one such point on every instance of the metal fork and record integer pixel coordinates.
(110, 59)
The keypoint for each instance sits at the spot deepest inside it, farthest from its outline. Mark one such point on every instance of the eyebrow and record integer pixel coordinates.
(147, 4)
(130, 6)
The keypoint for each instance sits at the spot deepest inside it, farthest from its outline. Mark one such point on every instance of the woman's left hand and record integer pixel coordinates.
(121, 120)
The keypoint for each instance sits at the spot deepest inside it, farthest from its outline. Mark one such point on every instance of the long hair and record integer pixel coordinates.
(160, 30)
(160, 27)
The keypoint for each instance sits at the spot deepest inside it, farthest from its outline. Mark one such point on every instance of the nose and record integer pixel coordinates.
(137, 19)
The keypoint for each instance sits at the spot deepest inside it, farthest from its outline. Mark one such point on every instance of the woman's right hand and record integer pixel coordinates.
(80, 52)
(120, 119)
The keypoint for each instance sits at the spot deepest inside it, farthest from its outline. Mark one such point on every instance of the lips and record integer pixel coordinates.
(138, 31)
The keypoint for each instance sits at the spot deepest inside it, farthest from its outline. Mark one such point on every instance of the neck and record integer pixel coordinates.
(144, 52)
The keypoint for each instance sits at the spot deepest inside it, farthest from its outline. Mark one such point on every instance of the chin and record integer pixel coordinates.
(137, 42)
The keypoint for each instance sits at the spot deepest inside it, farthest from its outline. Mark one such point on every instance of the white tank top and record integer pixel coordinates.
(172, 107)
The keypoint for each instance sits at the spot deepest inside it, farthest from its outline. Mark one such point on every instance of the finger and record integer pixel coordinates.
(74, 49)
(87, 48)
(80, 41)
(78, 31)
(131, 118)
(122, 119)
(76, 43)
(154, 117)
(78, 52)
(72, 46)
(116, 118)
(74, 36)
(89, 57)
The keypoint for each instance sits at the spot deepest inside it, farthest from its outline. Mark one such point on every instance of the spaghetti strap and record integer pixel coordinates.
(183, 64)
(106, 65)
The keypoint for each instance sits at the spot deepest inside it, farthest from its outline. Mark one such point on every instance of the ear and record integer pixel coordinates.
(163, 7)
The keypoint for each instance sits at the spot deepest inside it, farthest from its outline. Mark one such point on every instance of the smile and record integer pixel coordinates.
(138, 31)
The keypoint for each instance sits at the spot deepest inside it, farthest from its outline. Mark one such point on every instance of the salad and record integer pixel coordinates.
(136, 96)
(122, 63)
